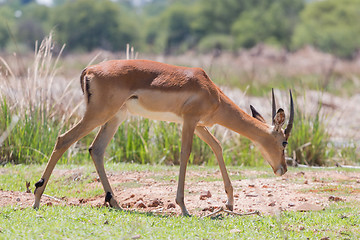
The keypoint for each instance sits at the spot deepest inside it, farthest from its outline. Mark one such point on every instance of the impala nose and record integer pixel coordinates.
(281, 171)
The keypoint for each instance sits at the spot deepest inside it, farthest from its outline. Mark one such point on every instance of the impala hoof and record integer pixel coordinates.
(230, 207)
(36, 206)
(186, 214)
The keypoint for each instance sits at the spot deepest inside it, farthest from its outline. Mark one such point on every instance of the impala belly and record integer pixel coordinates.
(135, 108)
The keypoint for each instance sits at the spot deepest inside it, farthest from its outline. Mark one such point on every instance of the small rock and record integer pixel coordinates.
(302, 199)
(272, 204)
(308, 207)
(170, 205)
(251, 195)
(211, 208)
(154, 203)
(251, 185)
(235, 230)
(306, 182)
(140, 204)
(136, 236)
(18, 199)
(291, 204)
(126, 205)
(300, 174)
(205, 195)
(336, 199)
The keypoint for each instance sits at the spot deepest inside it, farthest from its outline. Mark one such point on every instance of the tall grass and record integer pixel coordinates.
(310, 142)
(309, 139)
(34, 94)
(145, 141)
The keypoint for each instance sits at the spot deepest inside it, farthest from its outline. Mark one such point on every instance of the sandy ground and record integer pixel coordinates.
(155, 192)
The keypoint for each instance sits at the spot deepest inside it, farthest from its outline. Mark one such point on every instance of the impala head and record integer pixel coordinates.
(273, 145)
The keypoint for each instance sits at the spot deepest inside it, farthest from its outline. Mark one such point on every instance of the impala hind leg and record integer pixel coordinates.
(204, 134)
(91, 120)
(97, 151)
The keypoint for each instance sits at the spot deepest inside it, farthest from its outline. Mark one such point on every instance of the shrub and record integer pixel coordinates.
(331, 26)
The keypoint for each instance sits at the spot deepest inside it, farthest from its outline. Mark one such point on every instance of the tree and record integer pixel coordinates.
(171, 29)
(7, 20)
(33, 24)
(89, 24)
(331, 25)
(269, 21)
(216, 17)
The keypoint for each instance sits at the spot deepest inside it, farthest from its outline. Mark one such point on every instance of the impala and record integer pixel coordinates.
(159, 91)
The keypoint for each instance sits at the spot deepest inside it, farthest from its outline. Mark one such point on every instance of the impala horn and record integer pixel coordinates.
(273, 107)
(291, 118)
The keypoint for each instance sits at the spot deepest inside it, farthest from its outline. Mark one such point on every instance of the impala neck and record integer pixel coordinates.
(231, 116)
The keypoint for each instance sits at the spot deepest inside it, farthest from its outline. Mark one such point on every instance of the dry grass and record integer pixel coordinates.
(34, 84)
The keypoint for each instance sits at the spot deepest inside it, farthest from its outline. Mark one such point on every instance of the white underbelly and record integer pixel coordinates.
(135, 108)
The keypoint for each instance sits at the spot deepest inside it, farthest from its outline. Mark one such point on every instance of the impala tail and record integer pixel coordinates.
(85, 85)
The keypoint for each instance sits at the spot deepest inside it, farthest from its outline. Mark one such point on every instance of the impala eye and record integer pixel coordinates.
(285, 144)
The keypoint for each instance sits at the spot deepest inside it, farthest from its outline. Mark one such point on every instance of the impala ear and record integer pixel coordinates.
(279, 119)
(256, 114)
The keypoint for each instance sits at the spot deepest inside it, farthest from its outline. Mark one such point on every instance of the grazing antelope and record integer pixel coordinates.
(165, 92)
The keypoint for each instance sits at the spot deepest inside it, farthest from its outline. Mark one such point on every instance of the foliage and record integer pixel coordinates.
(217, 42)
(330, 25)
(93, 24)
(6, 22)
(271, 22)
(171, 30)
(33, 24)
(170, 26)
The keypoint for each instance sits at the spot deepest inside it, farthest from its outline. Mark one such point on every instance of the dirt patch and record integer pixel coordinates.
(155, 192)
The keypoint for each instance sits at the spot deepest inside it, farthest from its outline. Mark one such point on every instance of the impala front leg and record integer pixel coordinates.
(204, 134)
(186, 145)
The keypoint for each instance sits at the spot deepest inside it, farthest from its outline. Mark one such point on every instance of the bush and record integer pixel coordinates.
(90, 24)
(331, 26)
(217, 42)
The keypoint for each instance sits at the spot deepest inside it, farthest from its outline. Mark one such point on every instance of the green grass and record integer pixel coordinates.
(338, 222)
